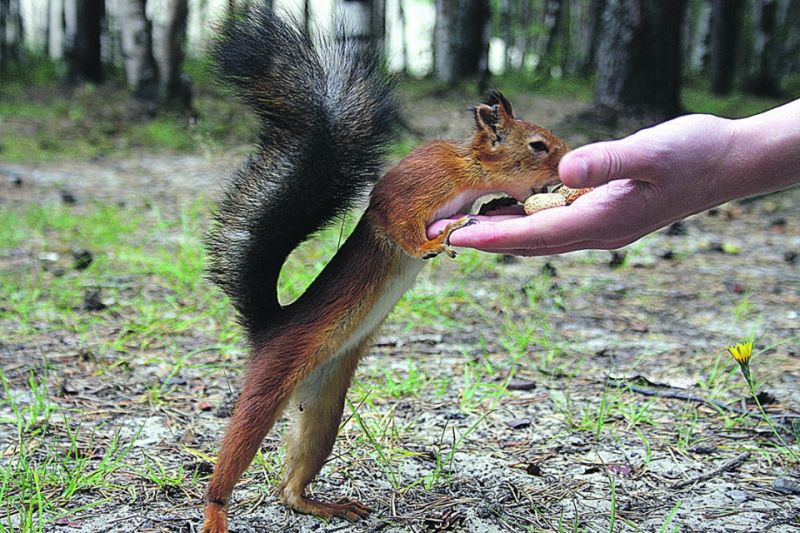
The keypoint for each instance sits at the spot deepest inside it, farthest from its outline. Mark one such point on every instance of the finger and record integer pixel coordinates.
(595, 164)
(572, 247)
(437, 227)
(603, 215)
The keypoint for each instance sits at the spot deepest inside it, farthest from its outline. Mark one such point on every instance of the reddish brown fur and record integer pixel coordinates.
(309, 333)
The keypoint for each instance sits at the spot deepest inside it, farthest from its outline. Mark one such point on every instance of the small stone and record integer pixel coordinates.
(739, 496)
(617, 259)
(68, 197)
(521, 384)
(534, 469)
(785, 485)
(677, 229)
(92, 300)
(518, 423)
(82, 259)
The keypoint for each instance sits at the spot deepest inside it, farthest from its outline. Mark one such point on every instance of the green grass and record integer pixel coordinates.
(149, 264)
(39, 481)
(736, 105)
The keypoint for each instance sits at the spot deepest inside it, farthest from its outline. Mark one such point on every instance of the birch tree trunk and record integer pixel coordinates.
(355, 23)
(639, 58)
(461, 39)
(137, 51)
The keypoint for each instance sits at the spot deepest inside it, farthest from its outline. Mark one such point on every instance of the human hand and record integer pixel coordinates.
(642, 183)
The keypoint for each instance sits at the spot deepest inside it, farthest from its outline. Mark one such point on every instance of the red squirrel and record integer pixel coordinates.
(326, 113)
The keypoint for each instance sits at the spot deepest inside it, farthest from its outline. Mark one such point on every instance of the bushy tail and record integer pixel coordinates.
(326, 115)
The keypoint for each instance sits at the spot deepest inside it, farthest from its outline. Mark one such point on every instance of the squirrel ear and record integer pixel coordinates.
(486, 118)
(496, 98)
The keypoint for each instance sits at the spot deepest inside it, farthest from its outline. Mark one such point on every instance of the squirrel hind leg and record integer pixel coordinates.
(269, 382)
(316, 407)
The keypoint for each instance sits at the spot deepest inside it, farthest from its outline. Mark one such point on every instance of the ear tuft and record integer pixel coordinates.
(486, 117)
(496, 98)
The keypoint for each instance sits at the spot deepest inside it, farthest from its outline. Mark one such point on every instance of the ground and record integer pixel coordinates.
(586, 392)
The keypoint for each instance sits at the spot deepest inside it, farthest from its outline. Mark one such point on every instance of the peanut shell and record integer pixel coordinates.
(540, 202)
(570, 195)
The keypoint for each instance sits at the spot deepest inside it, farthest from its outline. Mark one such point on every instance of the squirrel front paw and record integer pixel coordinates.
(441, 244)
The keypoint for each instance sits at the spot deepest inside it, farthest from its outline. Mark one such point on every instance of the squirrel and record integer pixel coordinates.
(327, 112)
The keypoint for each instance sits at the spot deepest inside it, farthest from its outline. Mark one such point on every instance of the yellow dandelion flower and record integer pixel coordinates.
(741, 352)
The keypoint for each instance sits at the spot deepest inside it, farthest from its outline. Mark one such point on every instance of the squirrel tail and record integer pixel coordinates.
(326, 115)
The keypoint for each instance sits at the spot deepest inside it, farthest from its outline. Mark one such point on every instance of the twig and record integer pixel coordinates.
(680, 395)
(725, 467)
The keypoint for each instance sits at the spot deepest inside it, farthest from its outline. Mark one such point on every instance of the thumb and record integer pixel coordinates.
(595, 164)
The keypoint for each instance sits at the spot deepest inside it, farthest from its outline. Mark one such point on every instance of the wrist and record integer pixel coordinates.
(766, 151)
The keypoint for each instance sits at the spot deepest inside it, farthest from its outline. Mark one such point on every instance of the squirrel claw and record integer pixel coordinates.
(347, 509)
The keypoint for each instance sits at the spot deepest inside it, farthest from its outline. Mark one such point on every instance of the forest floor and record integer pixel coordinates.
(585, 392)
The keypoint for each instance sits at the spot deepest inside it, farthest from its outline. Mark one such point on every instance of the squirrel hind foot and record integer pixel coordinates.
(350, 510)
(215, 519)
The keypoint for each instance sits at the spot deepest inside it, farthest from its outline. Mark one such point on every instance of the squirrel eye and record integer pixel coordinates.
(538, 146)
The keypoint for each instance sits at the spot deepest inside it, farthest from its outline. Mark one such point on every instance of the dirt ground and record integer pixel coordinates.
(570, 398)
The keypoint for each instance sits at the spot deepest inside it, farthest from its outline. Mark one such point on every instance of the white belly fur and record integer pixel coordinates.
(391, 292)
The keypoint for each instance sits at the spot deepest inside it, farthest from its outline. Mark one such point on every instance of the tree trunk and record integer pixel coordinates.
(726, 18)
(639, 58)
(698, 36)
(16, 44)
(11, 34)
(378, 17)
(763, 75)
(790, 56)
(461, 40)
(82, 46)
(357, 18)
(401, 15)
(137, 50)
(176, 88)
(48, 11)
(4, 9)
(306, 16)
(507, 29)
(596, 8)
(553, 27)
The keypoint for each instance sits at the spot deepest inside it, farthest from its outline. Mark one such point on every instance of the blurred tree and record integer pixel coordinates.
(726, 27)
(790, 58)
(365, 21)
(82, 40)
(762, 77)
(401, 15)
(378, 18)
(506, 32)
(592, 31)
(639, 58)
(176, 87)
(461, 39)
(554, 30)
(697, 36)
(4, 11)
(11, 34)
(141, 71)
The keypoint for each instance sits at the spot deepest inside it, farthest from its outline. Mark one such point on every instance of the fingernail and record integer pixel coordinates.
(580, 176)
